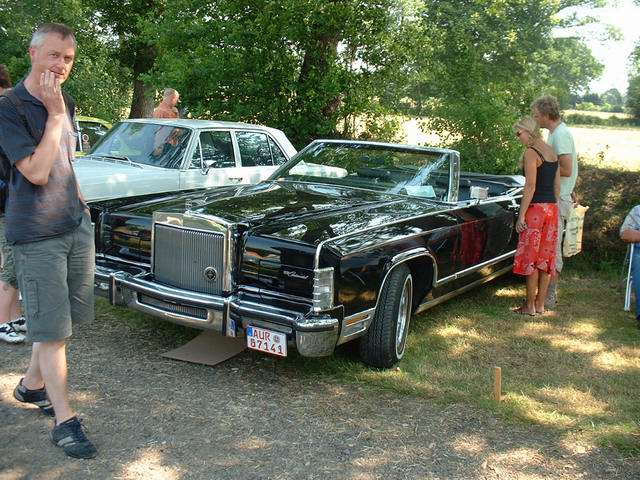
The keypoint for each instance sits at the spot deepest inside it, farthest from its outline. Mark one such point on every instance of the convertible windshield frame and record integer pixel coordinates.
(383, 167)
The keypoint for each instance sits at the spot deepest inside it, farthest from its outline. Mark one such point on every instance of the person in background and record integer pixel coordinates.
(537, 221)
(546, 112)
(12, 324)
(630, 233)
(167, 108)
(49, 228)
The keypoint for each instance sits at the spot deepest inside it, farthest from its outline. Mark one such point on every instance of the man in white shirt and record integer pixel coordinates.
(546, 111)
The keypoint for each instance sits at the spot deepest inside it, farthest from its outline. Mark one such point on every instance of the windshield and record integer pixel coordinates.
(382, 168)
(145, 143)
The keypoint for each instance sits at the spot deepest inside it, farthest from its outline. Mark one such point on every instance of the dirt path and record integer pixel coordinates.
(254, 418)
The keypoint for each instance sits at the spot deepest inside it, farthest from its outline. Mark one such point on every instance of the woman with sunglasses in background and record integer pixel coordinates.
(537, 221)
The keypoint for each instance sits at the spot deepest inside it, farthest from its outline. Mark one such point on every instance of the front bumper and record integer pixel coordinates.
(312, 335)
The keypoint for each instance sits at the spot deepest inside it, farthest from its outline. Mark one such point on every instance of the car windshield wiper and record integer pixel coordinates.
(118, 158)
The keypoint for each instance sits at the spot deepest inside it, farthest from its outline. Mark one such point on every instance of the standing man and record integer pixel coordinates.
(546, 112)
(49, 227)
(167, 108)
(10, 331)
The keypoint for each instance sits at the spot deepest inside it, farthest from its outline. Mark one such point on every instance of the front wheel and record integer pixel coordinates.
(384, 343)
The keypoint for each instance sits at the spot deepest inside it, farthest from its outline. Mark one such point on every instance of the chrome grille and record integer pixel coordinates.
(186, 310)
(181, 256)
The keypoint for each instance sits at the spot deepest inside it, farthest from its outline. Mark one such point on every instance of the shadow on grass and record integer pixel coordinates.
(575, 371)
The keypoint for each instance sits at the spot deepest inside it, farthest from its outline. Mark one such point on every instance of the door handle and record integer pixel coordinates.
(236, 179)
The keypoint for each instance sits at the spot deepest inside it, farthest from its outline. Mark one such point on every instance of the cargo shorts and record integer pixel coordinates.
(7, 267)
(565, 204)
(56, 278)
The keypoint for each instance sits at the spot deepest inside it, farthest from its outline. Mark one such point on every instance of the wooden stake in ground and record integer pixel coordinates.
(497, 384)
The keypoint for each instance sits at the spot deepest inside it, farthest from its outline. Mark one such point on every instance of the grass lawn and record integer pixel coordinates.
(576, 370)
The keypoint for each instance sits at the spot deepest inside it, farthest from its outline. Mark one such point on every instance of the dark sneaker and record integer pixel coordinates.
(37, 397)
(9, 335)
(71, 437)
(19, 324)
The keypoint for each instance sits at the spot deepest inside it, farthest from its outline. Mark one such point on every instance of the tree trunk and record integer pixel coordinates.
(142, 101)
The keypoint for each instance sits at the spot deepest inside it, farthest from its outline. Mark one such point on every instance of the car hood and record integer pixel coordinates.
(293, 210)
(103, 179)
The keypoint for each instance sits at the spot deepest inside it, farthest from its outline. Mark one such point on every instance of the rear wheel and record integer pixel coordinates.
(384, 343)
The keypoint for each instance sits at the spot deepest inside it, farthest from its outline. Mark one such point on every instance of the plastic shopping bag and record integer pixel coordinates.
(572, 243)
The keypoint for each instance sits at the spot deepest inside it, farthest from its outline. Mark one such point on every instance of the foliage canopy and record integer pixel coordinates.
(322, 69)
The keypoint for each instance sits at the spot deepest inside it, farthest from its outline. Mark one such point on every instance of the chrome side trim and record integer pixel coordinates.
(436, 301)
(473, 269)
(410, 255)
(273, 293)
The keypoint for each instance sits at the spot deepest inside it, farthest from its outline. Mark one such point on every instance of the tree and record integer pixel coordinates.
(129, 23)
(483, 62)
(301, 65)
(613, 97)
(633, 97)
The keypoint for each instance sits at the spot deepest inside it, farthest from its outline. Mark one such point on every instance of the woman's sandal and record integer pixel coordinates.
(521, 311)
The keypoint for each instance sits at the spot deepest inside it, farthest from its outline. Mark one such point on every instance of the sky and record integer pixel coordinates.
(614, 55)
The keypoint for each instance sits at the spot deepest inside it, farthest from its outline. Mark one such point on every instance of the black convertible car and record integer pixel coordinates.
(345, 241)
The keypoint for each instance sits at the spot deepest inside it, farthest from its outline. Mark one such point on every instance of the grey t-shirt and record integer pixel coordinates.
(37, 212)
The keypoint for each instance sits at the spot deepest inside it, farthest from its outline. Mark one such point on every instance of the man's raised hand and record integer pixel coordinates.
(52, 93)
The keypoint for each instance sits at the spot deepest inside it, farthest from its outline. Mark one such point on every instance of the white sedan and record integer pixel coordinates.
(144, 156)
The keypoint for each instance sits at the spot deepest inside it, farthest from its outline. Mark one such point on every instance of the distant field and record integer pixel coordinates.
(619, 147)
(600, 146)
(596, 114)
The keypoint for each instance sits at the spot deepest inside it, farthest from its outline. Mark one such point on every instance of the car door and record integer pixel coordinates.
(260, 155)
(213, 162)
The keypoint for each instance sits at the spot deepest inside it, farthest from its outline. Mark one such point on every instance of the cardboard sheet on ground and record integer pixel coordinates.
(208, 348)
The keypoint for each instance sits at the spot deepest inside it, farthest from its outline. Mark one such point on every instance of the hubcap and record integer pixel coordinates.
(404, 315)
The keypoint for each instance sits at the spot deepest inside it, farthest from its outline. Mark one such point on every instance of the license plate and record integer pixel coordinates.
(267, 341)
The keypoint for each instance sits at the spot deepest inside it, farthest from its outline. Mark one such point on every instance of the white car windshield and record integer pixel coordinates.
(385, 168)
(144, 143)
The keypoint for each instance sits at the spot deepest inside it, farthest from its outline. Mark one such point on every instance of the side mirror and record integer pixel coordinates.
(206, 165)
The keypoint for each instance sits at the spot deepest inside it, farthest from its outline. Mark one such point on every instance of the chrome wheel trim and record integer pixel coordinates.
(404, 316)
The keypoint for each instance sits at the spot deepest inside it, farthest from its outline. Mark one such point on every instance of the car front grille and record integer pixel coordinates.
(188, 259)
(194, 312)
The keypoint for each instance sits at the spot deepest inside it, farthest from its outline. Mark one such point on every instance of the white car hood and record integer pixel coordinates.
(103, 179)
